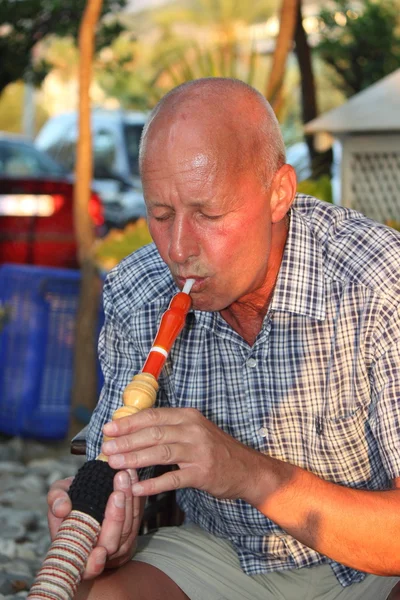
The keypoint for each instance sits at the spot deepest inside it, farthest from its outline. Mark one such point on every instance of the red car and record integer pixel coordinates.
(36, 208)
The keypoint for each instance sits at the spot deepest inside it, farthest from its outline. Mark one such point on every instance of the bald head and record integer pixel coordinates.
(217, 118)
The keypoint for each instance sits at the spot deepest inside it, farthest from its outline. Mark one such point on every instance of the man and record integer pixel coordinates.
(279, 399)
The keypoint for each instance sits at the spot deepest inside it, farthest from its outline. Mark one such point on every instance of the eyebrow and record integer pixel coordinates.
(194, 204)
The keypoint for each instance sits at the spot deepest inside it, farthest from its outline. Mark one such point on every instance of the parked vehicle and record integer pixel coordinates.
(36, 207)
(116, 136)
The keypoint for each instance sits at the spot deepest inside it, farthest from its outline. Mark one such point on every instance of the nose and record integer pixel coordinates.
(183, 242)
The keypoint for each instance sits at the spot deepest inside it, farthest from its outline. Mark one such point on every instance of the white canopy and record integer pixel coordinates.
(376, 108)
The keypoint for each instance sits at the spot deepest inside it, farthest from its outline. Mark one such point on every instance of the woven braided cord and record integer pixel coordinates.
(66, 559)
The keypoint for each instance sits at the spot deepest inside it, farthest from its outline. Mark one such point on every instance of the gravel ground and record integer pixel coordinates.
(27, 469)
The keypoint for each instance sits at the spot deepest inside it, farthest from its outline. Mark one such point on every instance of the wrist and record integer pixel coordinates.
(270, 477)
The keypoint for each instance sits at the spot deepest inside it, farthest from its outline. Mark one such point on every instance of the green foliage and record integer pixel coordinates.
(394, 224)
(119, 243)
(319, 188)
(122, 72)
(26, 23)
(203, 38)
(11, 102)
(360, 48)
(216, 14)
(217, 60)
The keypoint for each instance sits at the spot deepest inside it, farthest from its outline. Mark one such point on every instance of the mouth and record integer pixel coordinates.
(199, 282)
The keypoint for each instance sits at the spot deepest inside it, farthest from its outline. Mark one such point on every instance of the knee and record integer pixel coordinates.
(130, 582)
(100, 588)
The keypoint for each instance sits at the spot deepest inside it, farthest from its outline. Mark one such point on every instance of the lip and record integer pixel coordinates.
(198, 282)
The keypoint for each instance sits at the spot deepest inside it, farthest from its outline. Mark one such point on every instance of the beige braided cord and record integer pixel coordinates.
(65, 562)
(66, 559)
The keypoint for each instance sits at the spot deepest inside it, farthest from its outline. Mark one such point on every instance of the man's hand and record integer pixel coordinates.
(208, 458)
(117, 539)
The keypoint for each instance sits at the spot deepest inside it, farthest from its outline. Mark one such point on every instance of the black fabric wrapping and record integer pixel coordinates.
(92, 487)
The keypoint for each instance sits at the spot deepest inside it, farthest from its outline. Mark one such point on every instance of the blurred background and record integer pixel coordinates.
(77, 82)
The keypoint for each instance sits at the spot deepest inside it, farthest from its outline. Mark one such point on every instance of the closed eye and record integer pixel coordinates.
(161, 217)
(211, 217)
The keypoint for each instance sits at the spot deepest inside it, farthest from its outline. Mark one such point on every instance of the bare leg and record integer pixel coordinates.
(133, 581)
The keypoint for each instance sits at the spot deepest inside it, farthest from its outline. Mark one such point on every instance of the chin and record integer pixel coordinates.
(207, 304)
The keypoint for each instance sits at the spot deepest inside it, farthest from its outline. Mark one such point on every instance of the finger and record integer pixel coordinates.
(132, 513)
(173, 480)
(57, 495)
(114, 518)
(103, 557)
(95, 563)
(151, 436)
(147, 418)
(123, 481)
(124, 555)
(165, 454)
(59, 506)
(127, 549)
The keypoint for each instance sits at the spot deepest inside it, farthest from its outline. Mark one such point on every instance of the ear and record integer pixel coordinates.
(283, 192)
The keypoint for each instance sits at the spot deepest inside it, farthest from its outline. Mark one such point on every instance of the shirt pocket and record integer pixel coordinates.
(336, 449)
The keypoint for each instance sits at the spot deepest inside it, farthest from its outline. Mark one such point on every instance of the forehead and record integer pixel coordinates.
(189, 168)
(185, 142)
(198, 160)
(194, 182)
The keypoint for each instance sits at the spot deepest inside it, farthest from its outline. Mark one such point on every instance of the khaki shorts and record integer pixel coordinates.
(207, 568)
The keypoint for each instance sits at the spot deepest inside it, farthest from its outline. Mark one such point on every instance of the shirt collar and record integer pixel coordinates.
(300, 286)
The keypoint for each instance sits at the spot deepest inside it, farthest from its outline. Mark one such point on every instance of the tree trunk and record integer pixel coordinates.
(84, 393)
(283, 46)
(320, 161)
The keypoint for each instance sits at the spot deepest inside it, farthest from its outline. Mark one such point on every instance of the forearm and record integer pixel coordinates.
(358, 528)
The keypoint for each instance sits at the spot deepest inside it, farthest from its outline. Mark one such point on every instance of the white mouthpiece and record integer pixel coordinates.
(188, 286)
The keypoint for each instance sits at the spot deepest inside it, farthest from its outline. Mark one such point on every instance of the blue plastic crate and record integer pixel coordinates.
(36, 349)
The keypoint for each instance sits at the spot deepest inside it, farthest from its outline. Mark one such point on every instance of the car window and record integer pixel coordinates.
(104, 153)
(63, 149)
(132, 139)
(21, 160)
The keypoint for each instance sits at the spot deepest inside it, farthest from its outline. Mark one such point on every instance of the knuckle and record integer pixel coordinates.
(166, 453)
(151, 487)
(112, 547)
(153, 415)
(156, 433)
(175, 480)
(123, 444)
(61, 485)
(132, 460)
(192, 412)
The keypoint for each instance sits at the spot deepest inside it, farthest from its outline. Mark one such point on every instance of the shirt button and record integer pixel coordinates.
(263, 432)
(251, 362)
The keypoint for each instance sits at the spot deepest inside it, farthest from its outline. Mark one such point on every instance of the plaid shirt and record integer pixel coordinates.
(319, 388)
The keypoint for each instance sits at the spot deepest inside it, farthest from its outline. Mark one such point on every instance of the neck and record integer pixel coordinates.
(246, 315)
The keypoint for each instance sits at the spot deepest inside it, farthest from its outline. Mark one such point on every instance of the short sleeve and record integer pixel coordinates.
(385, 393)
(120, 360)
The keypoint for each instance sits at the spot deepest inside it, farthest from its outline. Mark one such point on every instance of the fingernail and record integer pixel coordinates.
(133, 475)
(137, 489)
(58, 503)
(110, 428)
(110, 446)
(117, 461)
(119, 500)
(124, 480)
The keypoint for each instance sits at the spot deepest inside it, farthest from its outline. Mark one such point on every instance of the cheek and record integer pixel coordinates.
(160, 238)
(231, 247)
